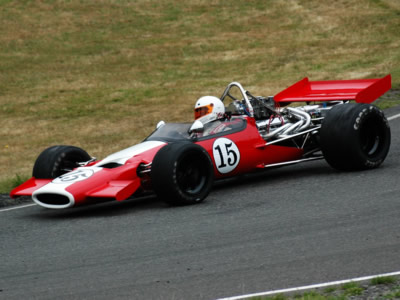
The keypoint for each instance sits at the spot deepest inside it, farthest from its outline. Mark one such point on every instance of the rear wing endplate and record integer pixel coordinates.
(360, 90)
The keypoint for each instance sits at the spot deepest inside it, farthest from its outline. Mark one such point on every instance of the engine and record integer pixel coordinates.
(262, 107)
(289, 121)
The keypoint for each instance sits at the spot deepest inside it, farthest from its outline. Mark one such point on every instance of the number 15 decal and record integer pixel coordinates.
(226, 155)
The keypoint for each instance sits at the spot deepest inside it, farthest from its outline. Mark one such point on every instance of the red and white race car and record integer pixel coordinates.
(235, 134)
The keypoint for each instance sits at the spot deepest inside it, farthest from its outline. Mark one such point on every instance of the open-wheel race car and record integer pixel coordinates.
(235, 134)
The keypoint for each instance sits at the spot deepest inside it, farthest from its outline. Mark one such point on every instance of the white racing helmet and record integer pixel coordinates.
(208, 109)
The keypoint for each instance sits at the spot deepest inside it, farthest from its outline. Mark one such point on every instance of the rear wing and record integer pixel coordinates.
(360, 90)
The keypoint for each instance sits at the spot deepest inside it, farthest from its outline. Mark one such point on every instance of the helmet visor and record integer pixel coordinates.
(203, 110)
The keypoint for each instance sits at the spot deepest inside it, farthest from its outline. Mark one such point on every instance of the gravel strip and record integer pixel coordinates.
(366, 290)
(5, 200)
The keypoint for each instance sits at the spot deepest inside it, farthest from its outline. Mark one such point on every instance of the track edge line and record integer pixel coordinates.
(307, 287)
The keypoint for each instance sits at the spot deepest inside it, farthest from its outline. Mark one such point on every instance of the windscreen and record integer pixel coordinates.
(171, 132)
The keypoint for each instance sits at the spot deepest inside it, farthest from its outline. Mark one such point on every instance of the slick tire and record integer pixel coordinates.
(355, 137)
(182, 174)
(58, 160)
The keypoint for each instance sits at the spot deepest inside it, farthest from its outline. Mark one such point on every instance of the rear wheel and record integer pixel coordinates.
(355, 137)
(182, 173)
(58, 160)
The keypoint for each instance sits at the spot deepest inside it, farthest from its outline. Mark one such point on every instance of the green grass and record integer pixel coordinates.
(100, 75)
(383, 280)
(352, 289)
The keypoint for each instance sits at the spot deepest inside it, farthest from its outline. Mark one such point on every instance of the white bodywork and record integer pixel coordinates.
(122, 156)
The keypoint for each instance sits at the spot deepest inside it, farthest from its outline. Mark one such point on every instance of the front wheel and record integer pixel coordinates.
(58, 160)
(355, 137)
(182, 173)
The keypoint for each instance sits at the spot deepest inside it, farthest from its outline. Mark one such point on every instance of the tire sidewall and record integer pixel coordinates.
(167, 164)
(343, 135)
(362, 126)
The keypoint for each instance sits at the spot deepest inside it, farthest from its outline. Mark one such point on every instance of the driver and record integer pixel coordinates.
(208, 109)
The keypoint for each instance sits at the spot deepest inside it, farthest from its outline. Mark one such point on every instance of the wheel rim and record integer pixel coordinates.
(371, 137)
(191, 175)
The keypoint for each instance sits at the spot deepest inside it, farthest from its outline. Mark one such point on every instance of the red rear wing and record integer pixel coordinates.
(361, 90)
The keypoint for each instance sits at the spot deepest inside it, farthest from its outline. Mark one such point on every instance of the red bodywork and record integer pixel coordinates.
(254, 154)
(361, 90)
(93, 182)
(104, 183)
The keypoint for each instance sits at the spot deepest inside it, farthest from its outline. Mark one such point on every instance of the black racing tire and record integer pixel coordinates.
(355, 137)
(182, 174)
(57, 160)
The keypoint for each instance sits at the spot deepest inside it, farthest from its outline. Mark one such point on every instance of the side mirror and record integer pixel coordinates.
(160, 124)
(197, 127)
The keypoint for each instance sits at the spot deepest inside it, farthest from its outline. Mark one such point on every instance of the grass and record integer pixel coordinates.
(352, 289)
(383, 280)
(101, 74)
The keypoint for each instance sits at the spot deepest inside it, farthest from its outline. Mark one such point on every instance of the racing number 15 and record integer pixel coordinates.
(226, 155)
(231, 155)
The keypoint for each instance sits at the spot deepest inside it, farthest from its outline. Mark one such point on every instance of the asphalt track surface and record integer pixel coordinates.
(287, 227)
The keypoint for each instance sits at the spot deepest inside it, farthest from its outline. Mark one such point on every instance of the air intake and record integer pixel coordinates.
(53, 199)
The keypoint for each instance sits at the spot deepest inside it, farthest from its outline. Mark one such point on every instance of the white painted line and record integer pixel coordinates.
(393, 117)
(17, 207)
(314, 286)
